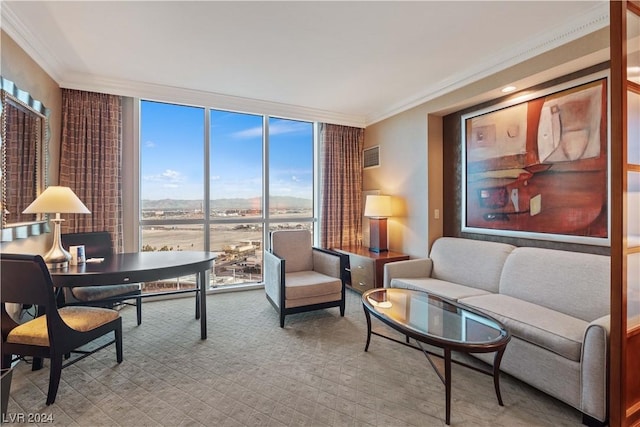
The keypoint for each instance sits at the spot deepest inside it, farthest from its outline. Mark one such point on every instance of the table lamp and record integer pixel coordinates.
(377, 208)
(57, 200)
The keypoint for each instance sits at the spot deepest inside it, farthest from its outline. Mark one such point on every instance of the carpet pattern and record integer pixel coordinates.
(250, 372)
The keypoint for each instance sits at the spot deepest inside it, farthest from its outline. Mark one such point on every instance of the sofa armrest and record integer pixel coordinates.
(273, 277)
(413, 268)
(327, 262)
(594, 368)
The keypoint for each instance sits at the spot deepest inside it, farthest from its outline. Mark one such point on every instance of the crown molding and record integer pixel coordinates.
(29, 41)
(164, 93)
(593, 20)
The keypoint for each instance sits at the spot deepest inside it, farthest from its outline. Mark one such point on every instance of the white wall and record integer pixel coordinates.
(411, 142)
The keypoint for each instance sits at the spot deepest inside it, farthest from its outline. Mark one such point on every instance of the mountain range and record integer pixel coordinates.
(277, 202)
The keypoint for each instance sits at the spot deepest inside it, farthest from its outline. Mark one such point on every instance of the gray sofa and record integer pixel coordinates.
(555, 304)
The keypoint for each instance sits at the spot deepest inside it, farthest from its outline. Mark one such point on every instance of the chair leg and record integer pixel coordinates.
(36, 364)
(6, 361)
(198, 305)
(54, 378)
(342, 304)
(139, 310)
(118, 333)
(281, 319)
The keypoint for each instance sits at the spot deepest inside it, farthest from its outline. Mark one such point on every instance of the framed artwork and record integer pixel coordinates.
(537, 167)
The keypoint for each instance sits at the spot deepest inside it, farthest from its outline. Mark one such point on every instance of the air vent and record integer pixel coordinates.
(371, 157)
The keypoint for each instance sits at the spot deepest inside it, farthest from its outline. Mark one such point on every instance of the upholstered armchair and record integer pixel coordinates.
(299, 277)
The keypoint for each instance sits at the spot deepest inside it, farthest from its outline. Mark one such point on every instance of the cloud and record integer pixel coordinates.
(295, 178)
(169, 176)
(150, 144)
(248, 133)
(279, 127)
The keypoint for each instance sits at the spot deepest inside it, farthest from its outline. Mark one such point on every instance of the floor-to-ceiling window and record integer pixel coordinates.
(219, 181)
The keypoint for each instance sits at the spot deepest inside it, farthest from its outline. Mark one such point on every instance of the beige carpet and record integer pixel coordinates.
(250, 372)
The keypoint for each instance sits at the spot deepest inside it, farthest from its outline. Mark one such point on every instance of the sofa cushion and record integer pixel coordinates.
(555, 331)
(438, 287)
(577, 284)
(468, 262)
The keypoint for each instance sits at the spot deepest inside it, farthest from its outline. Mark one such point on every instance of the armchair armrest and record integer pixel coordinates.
(273, 277)
(594, 368)
(413, 268)
(328, 262)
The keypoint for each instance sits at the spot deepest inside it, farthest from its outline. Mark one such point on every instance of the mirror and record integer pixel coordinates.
(23, 175)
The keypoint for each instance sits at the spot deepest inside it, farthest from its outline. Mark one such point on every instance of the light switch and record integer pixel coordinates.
(436, 213)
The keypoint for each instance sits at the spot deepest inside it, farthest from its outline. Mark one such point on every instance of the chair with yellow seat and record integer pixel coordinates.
(25, 279)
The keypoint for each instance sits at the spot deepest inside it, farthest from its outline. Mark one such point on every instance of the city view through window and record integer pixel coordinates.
(176, 180)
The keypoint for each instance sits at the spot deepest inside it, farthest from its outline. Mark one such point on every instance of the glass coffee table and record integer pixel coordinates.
(438, 322)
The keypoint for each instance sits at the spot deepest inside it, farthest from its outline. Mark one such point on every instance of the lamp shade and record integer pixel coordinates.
(56, 199)
(377, 206)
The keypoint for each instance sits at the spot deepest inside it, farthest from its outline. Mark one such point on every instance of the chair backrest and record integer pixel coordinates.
(25, 279)
(295, 247)
(97, 244)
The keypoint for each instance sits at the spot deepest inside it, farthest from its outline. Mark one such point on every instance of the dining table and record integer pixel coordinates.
(134, 267)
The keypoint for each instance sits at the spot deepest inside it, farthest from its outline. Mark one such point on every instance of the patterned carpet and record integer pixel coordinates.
(250, 372)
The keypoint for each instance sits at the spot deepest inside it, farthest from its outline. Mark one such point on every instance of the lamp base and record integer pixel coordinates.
(57, 265)
(57, 257)
(378, 235)
(378, 250)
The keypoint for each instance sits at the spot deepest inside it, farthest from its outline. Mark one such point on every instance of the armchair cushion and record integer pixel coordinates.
(306, 284)
(296, 248)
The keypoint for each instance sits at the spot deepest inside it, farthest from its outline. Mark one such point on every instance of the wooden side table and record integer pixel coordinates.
(366, 268)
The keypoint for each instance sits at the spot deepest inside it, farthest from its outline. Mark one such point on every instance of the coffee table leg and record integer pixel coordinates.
(447, 384)
(368, 317)
(496, 373)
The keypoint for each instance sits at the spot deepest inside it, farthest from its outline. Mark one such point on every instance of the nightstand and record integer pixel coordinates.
(366, 268)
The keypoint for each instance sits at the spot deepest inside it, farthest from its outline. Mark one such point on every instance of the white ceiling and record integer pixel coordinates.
(349, 62)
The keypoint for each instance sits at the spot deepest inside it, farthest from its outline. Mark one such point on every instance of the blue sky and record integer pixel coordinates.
(172, 165)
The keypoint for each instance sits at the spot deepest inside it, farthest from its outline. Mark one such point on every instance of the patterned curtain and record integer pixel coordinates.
(341, 185)
(90, 160)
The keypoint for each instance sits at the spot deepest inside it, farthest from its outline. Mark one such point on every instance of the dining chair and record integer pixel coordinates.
(55, 334)
(98, 244)
(300, 277)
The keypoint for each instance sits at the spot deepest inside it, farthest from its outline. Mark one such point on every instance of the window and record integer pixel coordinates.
(222, 190)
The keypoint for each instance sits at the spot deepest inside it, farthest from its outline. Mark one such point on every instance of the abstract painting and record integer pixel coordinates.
(537, 168)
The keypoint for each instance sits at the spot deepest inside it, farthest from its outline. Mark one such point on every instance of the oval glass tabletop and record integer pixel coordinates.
(434, 317)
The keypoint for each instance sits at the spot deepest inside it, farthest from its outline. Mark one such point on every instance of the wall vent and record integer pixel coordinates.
(371, 157)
